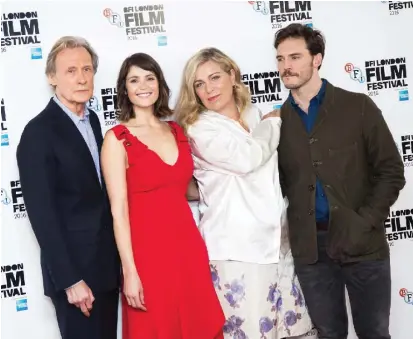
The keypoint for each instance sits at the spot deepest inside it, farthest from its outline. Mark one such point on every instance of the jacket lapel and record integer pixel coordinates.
(97, 131)
(288, 113)
(68, 131)
(324, 108)
(94, 122)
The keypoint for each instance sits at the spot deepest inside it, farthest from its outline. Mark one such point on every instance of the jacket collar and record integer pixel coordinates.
(288, 113)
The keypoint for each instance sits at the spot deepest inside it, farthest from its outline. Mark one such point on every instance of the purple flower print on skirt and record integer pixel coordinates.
(296, 293)
(240, 334)
(233, 327)
(231, 300)
(215, 277)
(235, 292)
(274, 297)
(266, 325)
(260, 301)
(290, 319)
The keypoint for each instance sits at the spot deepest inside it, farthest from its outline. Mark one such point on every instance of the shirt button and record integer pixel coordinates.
(317, 163)
(334, 207)
(312, 140)
(311, 187)
(310, 212)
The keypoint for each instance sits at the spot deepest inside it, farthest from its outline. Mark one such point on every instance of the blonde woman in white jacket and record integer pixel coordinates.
(242, 210)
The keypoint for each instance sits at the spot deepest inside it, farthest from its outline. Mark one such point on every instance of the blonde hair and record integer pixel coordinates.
(189, 106)
(69, 42)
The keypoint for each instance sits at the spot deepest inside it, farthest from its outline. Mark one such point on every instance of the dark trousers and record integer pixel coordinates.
(102, 323)
(368, 284)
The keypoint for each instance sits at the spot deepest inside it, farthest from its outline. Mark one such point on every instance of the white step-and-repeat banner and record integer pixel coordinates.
(369, 49)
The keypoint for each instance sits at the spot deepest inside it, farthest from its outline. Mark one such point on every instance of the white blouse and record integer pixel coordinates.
(241, 205)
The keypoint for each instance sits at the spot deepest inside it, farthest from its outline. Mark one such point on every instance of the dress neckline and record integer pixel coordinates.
(174, 133)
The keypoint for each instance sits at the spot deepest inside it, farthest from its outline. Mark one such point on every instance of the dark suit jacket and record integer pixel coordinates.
(66, 205)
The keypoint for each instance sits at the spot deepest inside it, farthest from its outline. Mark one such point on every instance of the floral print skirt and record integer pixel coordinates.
(261, 301)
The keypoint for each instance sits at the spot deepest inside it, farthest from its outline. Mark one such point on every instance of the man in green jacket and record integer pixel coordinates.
(341, 171)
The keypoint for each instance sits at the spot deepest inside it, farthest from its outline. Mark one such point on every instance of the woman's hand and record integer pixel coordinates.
(274, 114)
(133, 290)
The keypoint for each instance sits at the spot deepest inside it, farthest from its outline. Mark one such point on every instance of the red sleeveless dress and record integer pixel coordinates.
(170, 255)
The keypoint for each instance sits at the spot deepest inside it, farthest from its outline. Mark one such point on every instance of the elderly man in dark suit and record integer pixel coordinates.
(58, 160)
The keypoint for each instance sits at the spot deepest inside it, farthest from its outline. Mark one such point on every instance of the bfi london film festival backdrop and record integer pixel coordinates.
(368, 50)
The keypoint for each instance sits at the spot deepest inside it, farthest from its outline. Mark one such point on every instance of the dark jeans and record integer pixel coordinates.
(368, 284)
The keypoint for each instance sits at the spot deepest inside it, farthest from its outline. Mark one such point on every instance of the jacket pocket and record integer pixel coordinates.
(343, 160)
(355, 236)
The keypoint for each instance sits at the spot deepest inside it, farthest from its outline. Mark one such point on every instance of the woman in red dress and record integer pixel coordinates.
(168, 292)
